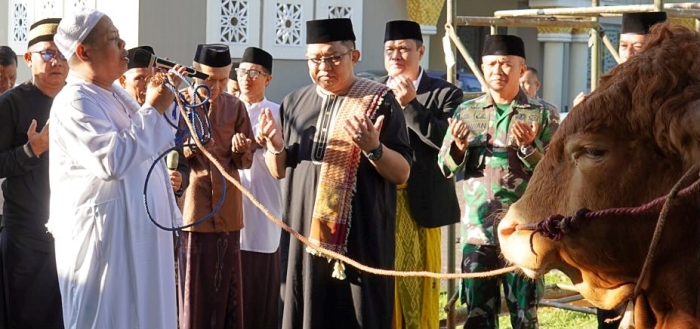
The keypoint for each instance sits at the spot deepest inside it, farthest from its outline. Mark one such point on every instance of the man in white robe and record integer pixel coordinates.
(115, 267)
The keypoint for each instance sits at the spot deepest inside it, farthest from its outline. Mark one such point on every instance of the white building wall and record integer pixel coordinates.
(175, 27)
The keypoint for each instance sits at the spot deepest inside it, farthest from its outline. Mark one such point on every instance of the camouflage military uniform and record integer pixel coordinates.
(496, 173)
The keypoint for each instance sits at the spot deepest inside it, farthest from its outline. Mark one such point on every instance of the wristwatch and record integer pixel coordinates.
(375, 154)
(526, 150)
(27, 148)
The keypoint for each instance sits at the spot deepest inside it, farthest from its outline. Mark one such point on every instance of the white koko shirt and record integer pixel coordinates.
(259, 234)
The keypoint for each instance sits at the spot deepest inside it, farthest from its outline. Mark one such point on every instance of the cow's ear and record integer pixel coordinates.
(680, 132)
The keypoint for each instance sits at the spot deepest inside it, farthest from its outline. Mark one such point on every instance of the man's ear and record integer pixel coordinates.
(355, 56)
(421, 52)
(122, 80)
(81, 52)
(28, 58)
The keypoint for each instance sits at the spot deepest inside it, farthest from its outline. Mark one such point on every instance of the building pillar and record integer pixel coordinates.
(554, 73)
(427, 31)
(578, 70)
(426, 13)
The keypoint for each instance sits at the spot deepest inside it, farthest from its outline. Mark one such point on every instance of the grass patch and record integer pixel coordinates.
(548, 317)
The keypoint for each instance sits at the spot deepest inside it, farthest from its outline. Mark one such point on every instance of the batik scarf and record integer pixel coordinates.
(331, 221)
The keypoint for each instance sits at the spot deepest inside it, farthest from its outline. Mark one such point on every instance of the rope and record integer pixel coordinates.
(555, 227)
(660, 224)
(329, 253)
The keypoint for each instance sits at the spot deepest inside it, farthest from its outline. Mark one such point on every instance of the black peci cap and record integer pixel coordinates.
(212, 55)
(640, 23)
(329, 30)
(257, 56)
(503, 44)
(402, 30)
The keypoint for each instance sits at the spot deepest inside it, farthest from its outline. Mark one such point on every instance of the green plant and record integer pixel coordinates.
(549, 318)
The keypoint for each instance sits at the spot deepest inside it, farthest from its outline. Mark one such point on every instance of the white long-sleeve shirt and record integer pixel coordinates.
(115, 268)
(259, 234)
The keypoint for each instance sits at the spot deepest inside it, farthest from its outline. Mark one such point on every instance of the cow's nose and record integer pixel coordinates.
(506, 227)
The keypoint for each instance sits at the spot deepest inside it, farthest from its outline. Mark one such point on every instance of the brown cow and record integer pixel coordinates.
(626, 145)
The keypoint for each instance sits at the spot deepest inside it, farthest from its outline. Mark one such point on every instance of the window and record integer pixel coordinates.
(23, 13)
(237, 23)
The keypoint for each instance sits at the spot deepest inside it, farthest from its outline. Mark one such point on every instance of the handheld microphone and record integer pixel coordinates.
(172, 160)
(144, 58)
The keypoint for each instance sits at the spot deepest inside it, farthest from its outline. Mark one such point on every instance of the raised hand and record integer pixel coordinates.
(175, 180)
(270, 134)
(363, 132)
(403, 89)
(159, 96)
(240, 144)
(524, 133)
(38, 141)
(459, 132)
(580, 98)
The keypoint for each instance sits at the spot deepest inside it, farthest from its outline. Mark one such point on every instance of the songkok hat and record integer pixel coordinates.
(639, 23)
(74, 28)
(329, 30)
(43, 30)
(402, 30)
(503, 45)
(234, 66)
(212, 55)
(138, 64)
(257, 56)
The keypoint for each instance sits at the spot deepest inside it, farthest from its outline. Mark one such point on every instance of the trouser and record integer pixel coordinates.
(29, 292)
(416, 300)
(210, 285)
(482, 295)
(261, 286)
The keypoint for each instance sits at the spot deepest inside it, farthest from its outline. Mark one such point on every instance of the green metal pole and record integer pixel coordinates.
(595, 52)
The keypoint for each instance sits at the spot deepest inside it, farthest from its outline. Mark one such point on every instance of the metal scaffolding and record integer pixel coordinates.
(688, 9)
(580, 18)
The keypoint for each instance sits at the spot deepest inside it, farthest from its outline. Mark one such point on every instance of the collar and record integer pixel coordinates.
(520, 101)
(417, 81)
(249, 105)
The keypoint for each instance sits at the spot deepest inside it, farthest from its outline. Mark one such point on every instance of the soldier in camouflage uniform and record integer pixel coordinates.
(496, 139)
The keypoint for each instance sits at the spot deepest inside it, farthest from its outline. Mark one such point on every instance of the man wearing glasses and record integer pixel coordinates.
(260, 238)
(31, 297)
(342, 148)
(428, 200)
(232, 85)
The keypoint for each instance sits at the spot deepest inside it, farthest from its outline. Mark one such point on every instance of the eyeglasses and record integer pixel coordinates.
(253, 74)
(48, 54)
(332, 59)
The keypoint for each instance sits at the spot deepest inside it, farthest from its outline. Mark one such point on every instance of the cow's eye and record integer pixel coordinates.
(595, 153)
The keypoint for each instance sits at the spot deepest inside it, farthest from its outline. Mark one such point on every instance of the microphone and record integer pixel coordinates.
(144, 58)
(172, 160)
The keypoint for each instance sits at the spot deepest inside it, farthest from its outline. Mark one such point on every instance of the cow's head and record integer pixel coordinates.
(625, 145)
